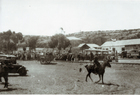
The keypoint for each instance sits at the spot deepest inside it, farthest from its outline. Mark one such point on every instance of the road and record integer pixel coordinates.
(65, 78)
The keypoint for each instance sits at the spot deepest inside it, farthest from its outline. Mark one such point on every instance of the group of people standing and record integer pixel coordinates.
(75, 57)
(27, 56)
(82, 56)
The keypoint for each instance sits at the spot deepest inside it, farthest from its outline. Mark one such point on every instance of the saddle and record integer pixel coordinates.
(96, 66)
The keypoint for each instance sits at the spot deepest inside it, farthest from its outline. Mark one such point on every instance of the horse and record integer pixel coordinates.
(100, 70)
(4, 73)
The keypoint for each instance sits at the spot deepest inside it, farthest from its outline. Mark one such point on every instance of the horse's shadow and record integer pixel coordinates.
(4, 83)
(8, 89)
(17, 76)
(49, 63)
(108, 84)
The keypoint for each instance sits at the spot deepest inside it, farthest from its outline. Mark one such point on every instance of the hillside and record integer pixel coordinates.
(99, 37)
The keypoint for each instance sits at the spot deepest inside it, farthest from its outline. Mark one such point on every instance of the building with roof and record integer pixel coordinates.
(84, 46)
(20, 49)
(121, 45)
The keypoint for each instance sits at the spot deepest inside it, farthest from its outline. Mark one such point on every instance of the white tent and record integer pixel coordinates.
(97, 51)
(73, 38)
(93, 49)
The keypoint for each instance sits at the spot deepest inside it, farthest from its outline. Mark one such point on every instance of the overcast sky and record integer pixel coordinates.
(45, 17)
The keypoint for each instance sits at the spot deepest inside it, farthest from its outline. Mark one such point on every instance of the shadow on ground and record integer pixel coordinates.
(17, 76)
(49, 64)
(4, 83)
(109, 84)
(10, 89)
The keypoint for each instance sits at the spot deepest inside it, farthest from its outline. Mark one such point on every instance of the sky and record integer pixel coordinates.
(46, 17)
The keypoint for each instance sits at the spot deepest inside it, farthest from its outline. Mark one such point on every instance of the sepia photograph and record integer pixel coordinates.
(69, 47)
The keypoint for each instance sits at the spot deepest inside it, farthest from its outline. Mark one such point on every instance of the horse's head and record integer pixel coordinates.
(107, 63)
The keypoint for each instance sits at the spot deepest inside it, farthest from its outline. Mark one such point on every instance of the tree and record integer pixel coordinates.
(9, 40)
(53, 42)
(19, 36)
(99, 40)
(32, 42)
(59, 41)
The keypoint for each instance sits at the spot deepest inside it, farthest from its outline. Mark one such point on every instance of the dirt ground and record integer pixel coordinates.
(65, 78)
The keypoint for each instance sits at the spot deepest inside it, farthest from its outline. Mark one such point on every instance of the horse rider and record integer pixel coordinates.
(96, 65)
(91, 56)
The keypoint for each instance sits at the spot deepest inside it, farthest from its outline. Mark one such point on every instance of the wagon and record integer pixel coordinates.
(14, 67)
(46, 59)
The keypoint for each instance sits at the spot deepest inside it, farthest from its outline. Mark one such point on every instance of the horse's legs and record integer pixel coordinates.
(90, 77)
(102, 78)
(6, 81)
(99, 79)
(87, 76)
(0, 79)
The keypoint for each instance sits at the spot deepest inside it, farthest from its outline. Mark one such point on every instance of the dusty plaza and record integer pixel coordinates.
(69, 47)
(61, 77)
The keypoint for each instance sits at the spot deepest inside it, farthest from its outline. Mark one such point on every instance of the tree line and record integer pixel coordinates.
(10, 41)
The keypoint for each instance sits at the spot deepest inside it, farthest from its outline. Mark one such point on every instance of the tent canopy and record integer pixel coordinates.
(93, 49)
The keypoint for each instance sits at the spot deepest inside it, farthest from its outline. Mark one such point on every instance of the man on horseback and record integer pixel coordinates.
(97, 68)
(96, 65)
(91, 56)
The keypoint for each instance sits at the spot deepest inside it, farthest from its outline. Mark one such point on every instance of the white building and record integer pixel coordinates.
(121, 44)
(73, 38)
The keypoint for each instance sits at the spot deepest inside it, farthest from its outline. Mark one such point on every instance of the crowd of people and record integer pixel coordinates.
(82, 56)
(28, 55)
(77, 57)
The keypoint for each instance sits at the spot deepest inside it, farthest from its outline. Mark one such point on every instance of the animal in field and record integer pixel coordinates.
(100, 70)
(4, 74)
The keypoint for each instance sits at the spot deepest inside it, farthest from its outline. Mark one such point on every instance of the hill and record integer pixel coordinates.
(99, 37)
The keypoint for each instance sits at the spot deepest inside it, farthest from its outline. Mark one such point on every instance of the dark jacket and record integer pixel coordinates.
(96, 61)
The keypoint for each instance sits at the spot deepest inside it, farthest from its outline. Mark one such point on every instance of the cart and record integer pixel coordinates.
(46, 59)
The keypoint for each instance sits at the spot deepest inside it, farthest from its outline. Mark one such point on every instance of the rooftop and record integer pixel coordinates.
(73, 38)
(122, 42)
(90, 45)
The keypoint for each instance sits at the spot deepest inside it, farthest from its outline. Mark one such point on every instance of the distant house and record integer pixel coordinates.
(40, 49)
(121, 45)
(84, 46)
(20, 49)
(74, 38)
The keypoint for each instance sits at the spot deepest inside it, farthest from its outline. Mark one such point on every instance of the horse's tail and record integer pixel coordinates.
(86, 66)
(80, 69)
